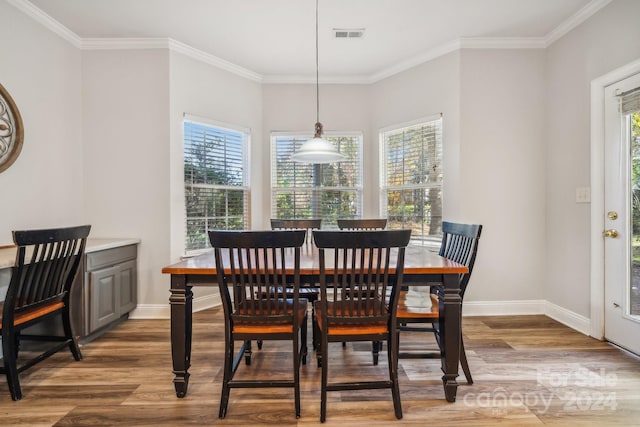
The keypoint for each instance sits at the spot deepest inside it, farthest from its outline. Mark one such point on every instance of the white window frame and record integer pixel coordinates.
(246, 143)
(418, 240)
(327, 222)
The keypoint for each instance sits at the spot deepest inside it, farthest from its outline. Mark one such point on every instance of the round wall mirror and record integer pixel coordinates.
(11, 130)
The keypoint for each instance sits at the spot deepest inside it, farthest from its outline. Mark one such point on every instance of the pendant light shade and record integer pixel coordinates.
(317, 149)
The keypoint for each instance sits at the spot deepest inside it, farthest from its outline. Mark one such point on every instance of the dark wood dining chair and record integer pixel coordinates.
(358, 300)
(362, 224)
(46, 265)
(257, 263)
(460, 244)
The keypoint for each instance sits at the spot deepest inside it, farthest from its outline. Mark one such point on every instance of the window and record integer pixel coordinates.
(411, 179)
(327, 191)
(215, 181)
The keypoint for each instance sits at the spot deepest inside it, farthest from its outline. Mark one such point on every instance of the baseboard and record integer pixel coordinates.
(520, 308)
(569, 318)
(163, 311)
(503, 308)
(471, 308)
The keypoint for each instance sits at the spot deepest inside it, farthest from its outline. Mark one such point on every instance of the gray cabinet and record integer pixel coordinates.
(110, 286)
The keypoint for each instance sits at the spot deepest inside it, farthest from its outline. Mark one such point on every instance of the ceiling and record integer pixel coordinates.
(275, 39)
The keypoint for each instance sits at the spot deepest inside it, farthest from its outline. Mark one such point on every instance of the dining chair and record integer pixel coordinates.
(254, 262)
(47, 261)
(362, 224)
(360, 278)
(460, 244)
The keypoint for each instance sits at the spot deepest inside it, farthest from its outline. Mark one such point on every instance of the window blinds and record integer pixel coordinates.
(413, 155)
(630, 101)
(412, 183)
(327, 191)
(216, 191)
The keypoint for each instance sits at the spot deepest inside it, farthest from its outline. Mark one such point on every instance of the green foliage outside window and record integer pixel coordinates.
(328, 191)
(216, 197)
(413, 186)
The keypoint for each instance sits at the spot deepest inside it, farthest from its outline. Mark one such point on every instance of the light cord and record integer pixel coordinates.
(317, 72)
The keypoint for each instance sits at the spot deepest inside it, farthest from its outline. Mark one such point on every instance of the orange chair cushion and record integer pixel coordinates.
(259, 326)
(34, 313)
(367, 327)
(412, 308)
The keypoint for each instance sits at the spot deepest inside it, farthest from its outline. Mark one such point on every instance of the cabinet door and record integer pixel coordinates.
(104, 285)
(128, 288)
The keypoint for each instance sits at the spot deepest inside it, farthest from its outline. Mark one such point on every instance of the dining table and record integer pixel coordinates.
(422, 267)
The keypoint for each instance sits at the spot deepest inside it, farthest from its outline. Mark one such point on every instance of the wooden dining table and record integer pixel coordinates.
(422, 266)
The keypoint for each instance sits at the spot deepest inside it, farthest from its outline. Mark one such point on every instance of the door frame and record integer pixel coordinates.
(597, 191)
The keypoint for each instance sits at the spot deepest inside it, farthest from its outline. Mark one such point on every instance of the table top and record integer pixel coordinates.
(418, 261)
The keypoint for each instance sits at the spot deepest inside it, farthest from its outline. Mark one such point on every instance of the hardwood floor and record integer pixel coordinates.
(528, 371)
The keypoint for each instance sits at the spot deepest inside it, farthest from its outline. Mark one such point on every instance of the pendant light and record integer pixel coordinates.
(317, 149)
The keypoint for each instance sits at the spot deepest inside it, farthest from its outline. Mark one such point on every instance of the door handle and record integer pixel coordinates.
(610, 233)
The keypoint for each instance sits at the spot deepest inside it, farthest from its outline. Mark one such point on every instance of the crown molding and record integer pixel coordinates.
(176, 46)
(48, 22)
(172, 45)
(207, 58)
(286, 79)
(453, 46)
(574, 20)
(124, 43)
(417, 60)
(502, 43)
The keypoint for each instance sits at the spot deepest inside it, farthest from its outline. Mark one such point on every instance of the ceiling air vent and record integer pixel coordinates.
(348, 33)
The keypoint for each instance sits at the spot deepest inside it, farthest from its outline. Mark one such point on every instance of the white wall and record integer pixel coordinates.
(41, 72)
(502, 170)
(126, 156)
(292, 107)
(608, 40)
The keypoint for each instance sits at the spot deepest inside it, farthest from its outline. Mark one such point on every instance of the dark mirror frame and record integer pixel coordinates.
(11, 130)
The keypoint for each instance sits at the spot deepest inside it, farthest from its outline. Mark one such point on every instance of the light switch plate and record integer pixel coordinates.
(583, 195)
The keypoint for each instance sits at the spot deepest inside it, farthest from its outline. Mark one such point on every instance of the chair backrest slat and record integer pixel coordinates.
(356, 279)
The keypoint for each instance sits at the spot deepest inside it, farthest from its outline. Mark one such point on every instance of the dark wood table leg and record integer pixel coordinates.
(450, 318)
(181, 327)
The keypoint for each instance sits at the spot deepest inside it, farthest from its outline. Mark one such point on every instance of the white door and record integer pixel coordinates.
(622, 215)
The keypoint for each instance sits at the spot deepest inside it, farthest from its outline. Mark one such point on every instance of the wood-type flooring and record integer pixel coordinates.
(528, 371)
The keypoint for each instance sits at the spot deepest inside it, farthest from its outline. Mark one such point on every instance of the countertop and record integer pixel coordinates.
(8, 254)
